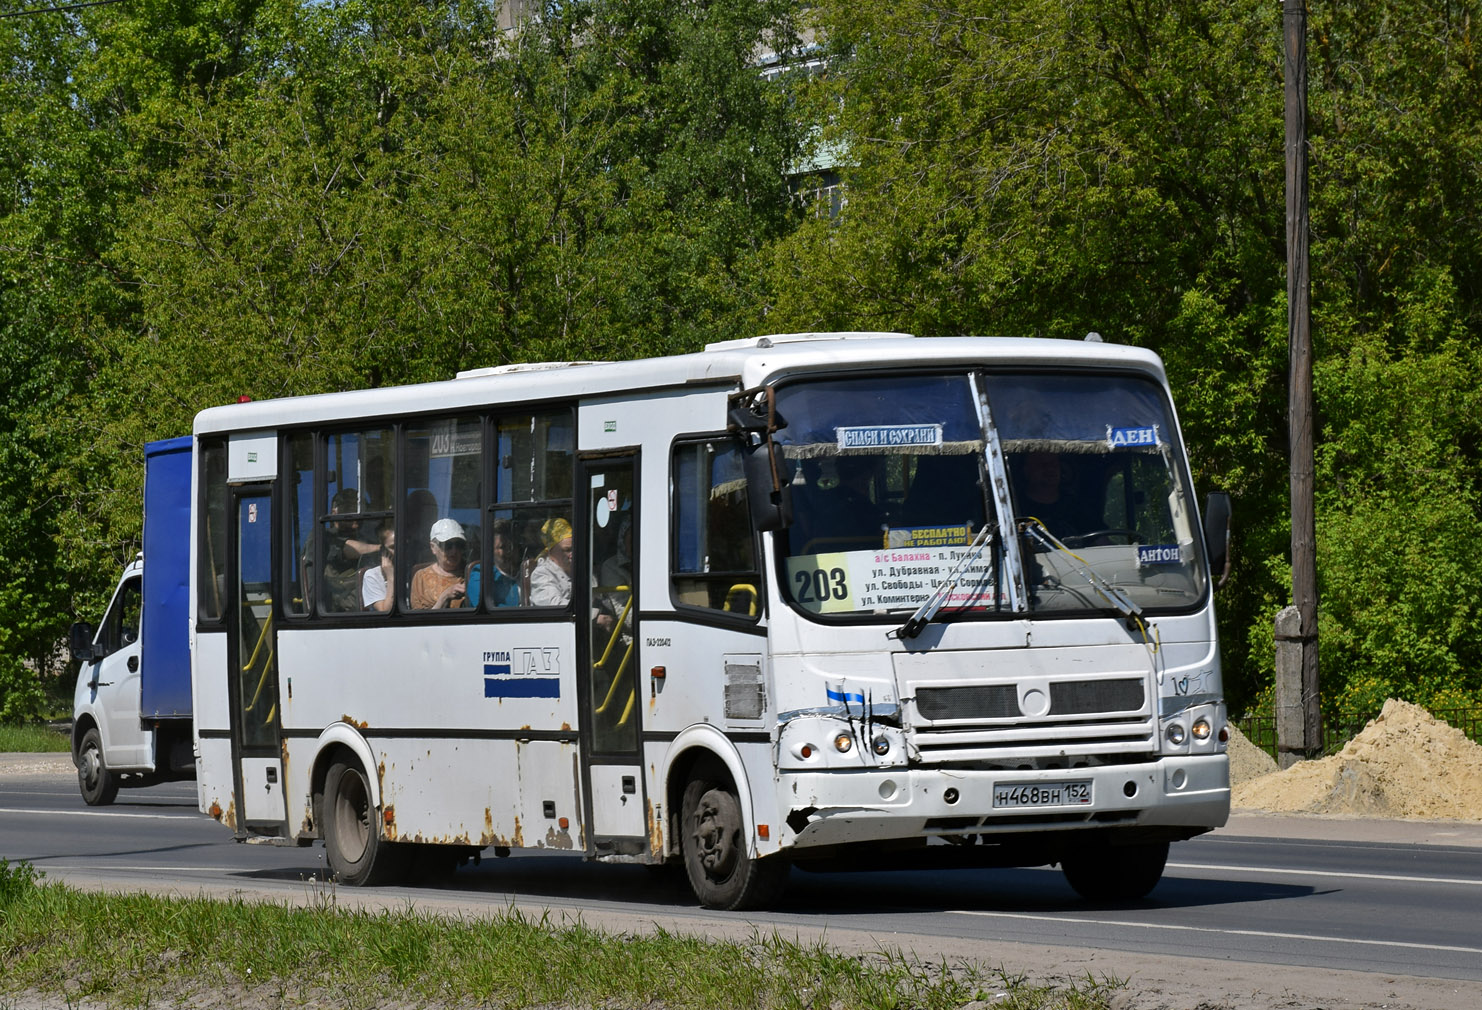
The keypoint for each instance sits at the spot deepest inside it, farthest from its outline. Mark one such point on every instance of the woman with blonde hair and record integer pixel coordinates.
(550, 579)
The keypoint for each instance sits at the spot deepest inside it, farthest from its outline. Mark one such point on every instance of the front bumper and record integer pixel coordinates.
(845, 806)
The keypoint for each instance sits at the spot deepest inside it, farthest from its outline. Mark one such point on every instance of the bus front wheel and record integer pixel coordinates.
(99, 785)
(1115, 873)
(358, 855)
(721, 872)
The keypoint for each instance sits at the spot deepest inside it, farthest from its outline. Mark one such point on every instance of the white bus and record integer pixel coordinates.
(828, 599)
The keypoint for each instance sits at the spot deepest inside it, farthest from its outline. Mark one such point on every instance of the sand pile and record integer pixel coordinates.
(1405, 763)
(1247, 761)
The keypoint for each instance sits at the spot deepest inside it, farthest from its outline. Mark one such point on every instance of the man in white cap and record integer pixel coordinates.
(441, 584)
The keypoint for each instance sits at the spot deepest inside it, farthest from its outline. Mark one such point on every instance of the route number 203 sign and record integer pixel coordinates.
(885, 580)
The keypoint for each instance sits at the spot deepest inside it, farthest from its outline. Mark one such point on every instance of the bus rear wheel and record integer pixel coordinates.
(358, 855)
(721, 871)
(1115, 873)
(99, 786)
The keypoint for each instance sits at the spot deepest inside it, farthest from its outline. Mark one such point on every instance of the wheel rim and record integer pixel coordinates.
(352, 817)
(717, 830)
(89, 766)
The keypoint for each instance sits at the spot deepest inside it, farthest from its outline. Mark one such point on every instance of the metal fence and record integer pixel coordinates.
(1261, 729)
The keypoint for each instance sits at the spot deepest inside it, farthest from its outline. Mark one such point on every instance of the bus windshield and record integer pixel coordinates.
(888, 483)
(887, 493)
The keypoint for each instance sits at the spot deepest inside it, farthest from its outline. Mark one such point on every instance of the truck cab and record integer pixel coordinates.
(108, 737)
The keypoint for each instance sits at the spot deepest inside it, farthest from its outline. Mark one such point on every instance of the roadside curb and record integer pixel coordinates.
(36, 764)
(1351, 828)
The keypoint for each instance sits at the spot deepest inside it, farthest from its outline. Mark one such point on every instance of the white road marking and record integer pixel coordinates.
(1263, 934)
(186, 814)
(1470, 881)
(100, 867)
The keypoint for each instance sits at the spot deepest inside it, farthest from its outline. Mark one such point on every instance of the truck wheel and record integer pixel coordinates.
(99, 785)
(1116, 873)
(721, 872)
(358, 855)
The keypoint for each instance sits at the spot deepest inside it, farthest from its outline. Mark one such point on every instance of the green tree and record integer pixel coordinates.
(1042, 169)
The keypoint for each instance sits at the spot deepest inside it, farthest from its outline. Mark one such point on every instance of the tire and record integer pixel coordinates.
(358, 855)
(721, 872)
(99, 786)
(1116, 873)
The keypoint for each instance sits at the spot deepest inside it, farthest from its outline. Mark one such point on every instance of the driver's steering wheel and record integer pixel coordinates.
(1089, 539)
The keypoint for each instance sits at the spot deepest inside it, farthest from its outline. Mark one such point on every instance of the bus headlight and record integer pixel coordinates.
(1202, 729)
(843, 742)
(881, 745)
(1175, 734)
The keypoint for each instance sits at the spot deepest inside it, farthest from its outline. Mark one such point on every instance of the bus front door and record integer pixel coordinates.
(607, 601)
(256, 716)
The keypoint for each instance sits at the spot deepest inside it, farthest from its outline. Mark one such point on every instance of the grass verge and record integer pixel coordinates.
(137, 950)
(31, 739)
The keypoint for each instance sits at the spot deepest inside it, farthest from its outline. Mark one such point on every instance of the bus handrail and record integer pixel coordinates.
(622, 620)
(617, 632)
(262, 681)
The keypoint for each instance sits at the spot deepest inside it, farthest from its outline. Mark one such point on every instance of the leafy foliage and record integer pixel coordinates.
(1037, 168)
(217, 198)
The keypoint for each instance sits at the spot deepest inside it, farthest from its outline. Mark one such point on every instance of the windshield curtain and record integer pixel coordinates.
(887, 484)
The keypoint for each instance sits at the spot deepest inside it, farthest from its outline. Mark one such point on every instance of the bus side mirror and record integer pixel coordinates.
(769, 497)
(80, 642)
(1217, 536)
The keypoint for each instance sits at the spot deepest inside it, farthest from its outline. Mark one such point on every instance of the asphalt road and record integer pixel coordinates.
(1288, 905)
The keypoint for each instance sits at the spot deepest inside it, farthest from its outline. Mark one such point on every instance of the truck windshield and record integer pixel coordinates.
(888, 494)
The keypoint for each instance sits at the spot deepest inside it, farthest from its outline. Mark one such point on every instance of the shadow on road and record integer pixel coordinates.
(566, 877)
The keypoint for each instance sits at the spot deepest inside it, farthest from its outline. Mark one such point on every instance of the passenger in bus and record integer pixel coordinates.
(343, 549)
(376, 581)
(1048, 497)
(504, 589)
(440, 584)
(550, 579)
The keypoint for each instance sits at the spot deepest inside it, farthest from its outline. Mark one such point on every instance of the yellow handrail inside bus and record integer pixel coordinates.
(617, 678)
(262, 638)
(617, 632)
(742, 587)
(622, 620)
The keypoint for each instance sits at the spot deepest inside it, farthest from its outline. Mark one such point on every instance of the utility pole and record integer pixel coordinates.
(1298, 714)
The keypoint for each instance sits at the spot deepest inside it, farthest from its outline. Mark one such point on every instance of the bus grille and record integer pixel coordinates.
(1091, 718)
(1001, 701)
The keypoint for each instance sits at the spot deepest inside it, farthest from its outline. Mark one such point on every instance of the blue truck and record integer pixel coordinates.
(131, 710)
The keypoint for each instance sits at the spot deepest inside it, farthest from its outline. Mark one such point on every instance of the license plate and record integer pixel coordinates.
(1042, 794)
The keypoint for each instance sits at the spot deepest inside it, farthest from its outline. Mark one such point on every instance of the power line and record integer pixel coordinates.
(58, 10)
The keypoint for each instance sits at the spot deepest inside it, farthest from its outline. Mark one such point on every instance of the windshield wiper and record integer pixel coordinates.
(928, 611)
(1118, 599)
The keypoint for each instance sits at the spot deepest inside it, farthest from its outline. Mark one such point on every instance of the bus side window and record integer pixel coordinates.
(531, 514)
(359, 480)
(298, 522)
(211, 562)
(714, 553)
(444, 540)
